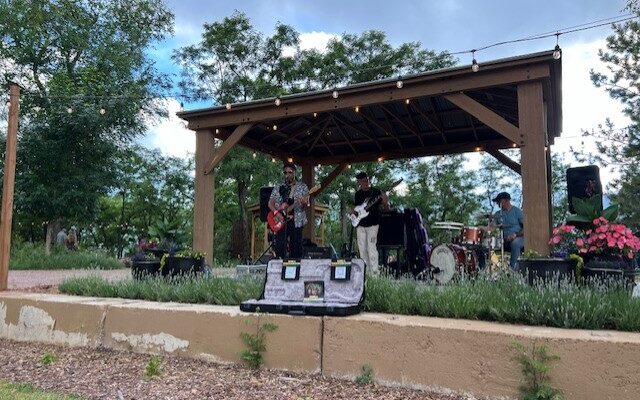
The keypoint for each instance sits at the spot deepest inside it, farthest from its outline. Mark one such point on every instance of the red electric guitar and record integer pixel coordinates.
(278, 218)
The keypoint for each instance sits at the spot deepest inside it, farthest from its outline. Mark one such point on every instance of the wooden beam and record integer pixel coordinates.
(415, 152)
(401, 122)
(506, 160)
(227, 145)
(535, 189)
(416, 129)
(203, 205)
(364, 95)
(331, 177)
(344, 135)
(8, 186)
(487, 116)
(360, 130)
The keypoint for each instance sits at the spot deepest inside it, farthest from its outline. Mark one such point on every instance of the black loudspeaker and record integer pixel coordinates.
(583, 182)
(265, 194)
(317, 252)
(391, 230)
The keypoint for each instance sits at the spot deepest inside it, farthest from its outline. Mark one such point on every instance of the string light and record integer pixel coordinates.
(380, 159)
(474, 64)
(69, 110)
(557, 53)
(399, 83)
(335, 94)
(181, 106)
(228, 106)
(217, 131)
(254, 154)
(278, 101)
(407, 101)
(315, 114)
(102, 111)
(290, 159)
(478, 148)
(357, 109)
(273, 159)
(275, 127)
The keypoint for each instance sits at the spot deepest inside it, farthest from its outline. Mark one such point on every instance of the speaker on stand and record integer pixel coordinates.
(583, 183)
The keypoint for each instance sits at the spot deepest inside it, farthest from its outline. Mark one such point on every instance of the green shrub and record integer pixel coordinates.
(598, 305)
(366, 377)
(153, 367)
(256, 344)
(32, 256)
(535, 364)
(48, 358)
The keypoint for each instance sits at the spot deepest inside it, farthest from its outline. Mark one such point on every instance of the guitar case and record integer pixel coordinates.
(311, 287)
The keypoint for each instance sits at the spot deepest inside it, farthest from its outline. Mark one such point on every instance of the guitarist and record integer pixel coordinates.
(290, 192)
(367, 230)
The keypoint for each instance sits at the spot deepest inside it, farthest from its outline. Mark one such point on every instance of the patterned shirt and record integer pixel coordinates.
(300, 190)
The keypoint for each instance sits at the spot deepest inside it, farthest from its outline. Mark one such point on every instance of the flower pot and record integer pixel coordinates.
(546, 269)
(144, 269)
(175, 266)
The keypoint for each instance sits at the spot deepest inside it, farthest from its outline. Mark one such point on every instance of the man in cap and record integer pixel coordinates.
(511, 220)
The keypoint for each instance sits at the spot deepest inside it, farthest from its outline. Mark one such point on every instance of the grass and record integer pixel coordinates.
(48, 358)
(600, 305)
(152, 369)
(30, 256)
(24, 391)
(220, 291)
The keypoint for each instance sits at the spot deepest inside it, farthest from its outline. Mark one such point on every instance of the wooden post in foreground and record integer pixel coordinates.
(9, 182)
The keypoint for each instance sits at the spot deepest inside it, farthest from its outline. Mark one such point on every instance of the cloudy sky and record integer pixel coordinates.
(453, 25)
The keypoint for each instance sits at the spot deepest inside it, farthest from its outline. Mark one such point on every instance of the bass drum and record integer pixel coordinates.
(449, 260)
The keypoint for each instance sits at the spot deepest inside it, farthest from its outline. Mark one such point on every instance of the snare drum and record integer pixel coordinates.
(451, 259)
(471, 235)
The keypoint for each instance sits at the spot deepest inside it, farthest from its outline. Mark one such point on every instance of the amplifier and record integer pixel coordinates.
(391, 230)
(317, 252)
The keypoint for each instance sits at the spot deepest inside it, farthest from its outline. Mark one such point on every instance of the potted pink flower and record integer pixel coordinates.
(608, 245)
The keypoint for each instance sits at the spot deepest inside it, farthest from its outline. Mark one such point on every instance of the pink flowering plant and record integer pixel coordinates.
(602, 239)
(608, 239)
(564, 240)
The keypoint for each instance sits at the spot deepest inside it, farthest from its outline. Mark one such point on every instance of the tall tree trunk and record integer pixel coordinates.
(53, 227)
(344, 223)
(242, 204)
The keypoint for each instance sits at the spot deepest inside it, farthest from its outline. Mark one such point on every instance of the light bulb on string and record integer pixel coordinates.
(228, 106)
(69, 110)
(254, 154)
(102, 111)
(399, 83)
(474, 64)
(335, 94)
(557, 53)
(278, 101)
(181, 106)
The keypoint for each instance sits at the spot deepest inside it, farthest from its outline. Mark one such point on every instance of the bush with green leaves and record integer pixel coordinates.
(153, 367)
(32, 256)
(535, 363)
(597, 304)
(256, 343)
(366, 377)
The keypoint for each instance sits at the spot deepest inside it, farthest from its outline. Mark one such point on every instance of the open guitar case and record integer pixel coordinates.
(311, 287)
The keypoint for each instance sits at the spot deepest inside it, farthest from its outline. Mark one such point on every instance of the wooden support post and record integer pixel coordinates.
(203, 207)
(535, 189)
(9, 182)
(308, 177)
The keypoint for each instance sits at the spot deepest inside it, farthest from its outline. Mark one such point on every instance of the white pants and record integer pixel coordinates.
(367, 246)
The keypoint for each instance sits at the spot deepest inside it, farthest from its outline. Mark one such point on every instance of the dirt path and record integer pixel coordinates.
(108, 374)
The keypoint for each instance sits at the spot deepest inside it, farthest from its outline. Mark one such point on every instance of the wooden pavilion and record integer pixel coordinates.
(508, 103)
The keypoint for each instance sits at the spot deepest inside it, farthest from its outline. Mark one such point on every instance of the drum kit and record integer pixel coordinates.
(469, 250)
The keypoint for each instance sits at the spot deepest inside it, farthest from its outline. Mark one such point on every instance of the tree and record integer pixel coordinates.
(620, 147)
(89, 86)
(234, 62)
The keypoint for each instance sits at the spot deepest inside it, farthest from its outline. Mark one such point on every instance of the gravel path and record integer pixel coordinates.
(108, 374)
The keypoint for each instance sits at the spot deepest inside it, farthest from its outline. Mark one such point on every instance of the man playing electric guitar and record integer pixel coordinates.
(367, 230)
(294, 193)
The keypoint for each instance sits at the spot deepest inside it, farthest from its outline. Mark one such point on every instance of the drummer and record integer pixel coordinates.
(511, 220)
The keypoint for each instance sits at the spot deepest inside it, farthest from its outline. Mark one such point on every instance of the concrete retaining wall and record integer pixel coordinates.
(446, 354)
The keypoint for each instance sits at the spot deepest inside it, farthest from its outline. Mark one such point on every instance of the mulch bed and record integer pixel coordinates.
(110, 374)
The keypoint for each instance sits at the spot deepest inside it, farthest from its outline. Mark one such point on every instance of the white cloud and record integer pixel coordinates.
(311, 40)
(171, 135)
